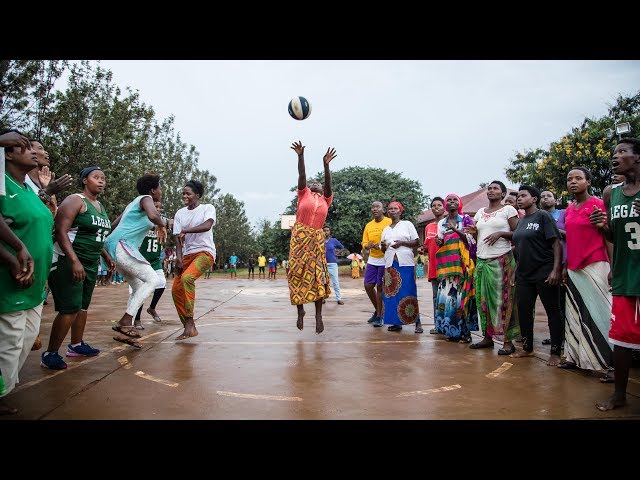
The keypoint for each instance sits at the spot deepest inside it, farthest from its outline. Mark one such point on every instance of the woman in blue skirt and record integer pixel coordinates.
(400, 293)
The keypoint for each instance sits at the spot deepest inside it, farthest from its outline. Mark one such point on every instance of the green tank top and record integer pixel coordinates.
(625, 225)
(87, 234)
(150, 249)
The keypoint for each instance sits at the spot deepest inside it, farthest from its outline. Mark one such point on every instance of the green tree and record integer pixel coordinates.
(590, 145)
(355, 189)
(232, 232)
(28, 87)
(271, 239)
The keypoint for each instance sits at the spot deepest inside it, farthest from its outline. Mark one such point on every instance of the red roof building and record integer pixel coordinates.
(471, 203)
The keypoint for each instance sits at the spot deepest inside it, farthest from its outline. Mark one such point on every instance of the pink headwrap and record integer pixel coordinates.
(459, 201)
(397, 204)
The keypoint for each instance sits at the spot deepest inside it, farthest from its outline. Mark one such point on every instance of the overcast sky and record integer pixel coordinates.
(448, 124)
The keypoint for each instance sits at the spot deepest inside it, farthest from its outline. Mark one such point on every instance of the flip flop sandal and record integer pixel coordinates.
(475, 346)
(131, 332)
(129, 341)
(502, 351)
(607, 379)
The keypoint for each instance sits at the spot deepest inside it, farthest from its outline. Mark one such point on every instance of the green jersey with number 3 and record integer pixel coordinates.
(624, 222)
(150, 249)
(87, 234)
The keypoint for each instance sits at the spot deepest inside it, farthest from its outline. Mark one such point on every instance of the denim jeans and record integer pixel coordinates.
(333, 273)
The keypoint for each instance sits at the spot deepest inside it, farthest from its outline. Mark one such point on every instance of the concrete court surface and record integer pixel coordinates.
(249, 361)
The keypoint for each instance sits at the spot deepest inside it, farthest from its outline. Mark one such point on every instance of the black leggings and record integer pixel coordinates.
(550, 298)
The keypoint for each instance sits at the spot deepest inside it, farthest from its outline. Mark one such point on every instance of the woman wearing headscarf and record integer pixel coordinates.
(308, 275)
(456, 315)
(81, 227)
(399, 291)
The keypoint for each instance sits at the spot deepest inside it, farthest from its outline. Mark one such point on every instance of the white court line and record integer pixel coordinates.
(141, 374)
(505, 366)
(431, 390)
(297, 342)
(259, 397)
(69, 367)
(124, 361)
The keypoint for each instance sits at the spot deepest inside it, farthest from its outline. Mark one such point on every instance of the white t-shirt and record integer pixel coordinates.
(403, 230)
(488, 223)
(32, 184)
(196, 242)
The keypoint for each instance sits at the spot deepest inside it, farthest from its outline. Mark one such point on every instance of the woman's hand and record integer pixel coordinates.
(178, 266)
(161, 233)
(77, 270)
(298, 147)
(58, 184)
(45, 176)
(439, 241)
(493, 238)
(330, 155)
(597, 217)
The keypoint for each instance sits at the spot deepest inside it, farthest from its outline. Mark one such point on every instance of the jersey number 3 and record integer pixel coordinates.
(634, 229)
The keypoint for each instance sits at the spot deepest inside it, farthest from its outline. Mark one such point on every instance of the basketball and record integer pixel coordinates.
(299, 108)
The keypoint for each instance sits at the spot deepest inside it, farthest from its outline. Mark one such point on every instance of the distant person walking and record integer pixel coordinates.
(330, 245)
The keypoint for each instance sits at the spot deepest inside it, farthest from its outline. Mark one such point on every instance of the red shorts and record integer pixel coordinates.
(625, 321)
(272, 269)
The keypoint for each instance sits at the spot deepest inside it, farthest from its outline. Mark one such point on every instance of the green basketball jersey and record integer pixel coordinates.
(150, 249)
(32, 222)
(624, 222)
(87, 234)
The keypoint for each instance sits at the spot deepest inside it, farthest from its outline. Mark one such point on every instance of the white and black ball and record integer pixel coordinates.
(299, 108)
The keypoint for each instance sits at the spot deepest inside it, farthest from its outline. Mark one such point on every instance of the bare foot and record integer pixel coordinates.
(319, 324)
(6, 409)
(189, 331)
(614, 401)
(521, 353)
(300, 322)
(554, 360)
(37, 344)
(154, 314)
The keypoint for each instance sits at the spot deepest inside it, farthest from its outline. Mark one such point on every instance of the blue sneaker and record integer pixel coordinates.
(377, 322)
(372, 318)
(82, 350)
(53, 361)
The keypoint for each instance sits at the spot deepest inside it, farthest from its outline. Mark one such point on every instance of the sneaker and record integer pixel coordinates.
(82, 350)
(377, 322)
(53, 361)
(373, 317)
